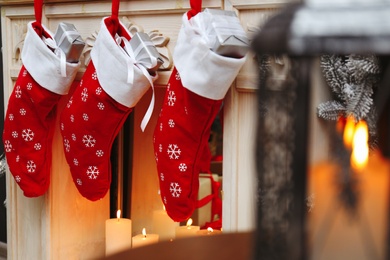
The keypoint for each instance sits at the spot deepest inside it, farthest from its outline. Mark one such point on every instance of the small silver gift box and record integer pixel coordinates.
(145, 52)
(230, 37)
(70, 41)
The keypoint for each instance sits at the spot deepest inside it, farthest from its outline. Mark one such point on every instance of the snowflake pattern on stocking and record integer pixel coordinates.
(69, 102)
(173, 151)
(100, 105)
(84, 95)
(18, 92)
(92, 172)
(37, 146)
(27, 135)
(171, 123)
(89, 141)
(94, 75)
(79, 182)
(162, 177)
(85, 117)
(31, 166)
(15, 134)
(17, 178)
(22, 111)
(98, 91)
(182, 167)
(67, 145)
(177, 76)
(171, 98)
(175, 189)
(7, 146)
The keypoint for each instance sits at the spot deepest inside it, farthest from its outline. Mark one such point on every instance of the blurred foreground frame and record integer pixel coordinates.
(302, 32)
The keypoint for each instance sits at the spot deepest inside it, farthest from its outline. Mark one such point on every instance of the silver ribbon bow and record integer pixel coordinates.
(136, 61)
(59, 52)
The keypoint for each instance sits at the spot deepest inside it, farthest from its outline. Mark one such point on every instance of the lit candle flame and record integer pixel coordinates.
(144, 232)
(189, 222)
(359, 157)
(349, 131)
(210, 230)
(118, 214)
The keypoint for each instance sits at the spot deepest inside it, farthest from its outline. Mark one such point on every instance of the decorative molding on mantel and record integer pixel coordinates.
(126, 8)
(246, 82)
(166, 6)
(258, 5)
(159, 40)
(30, 2)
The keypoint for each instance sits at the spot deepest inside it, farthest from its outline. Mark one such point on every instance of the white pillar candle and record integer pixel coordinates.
(163, 225)
(208, 232)
(187, 230)
(118, 234)
(144, 239)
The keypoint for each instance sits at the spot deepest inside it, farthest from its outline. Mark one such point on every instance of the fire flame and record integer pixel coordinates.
(348, 132)
(359, 157)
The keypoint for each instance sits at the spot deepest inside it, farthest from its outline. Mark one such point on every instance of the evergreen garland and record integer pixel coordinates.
(352, 79)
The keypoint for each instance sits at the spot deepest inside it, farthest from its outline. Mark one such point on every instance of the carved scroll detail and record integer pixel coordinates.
(158, 39)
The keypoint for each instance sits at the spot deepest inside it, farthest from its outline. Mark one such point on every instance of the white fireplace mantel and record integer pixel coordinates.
(62, 224)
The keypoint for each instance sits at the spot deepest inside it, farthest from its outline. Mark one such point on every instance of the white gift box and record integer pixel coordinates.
(145, 52)
(203, 215)
(70, 41)
(226, 36)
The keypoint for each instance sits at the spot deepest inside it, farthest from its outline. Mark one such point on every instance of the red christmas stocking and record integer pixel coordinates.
(30, 117)
(111, 86)
(193, 98)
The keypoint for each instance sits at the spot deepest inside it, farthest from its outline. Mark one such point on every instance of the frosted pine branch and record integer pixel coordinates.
(367, 64)
(363, 69)
(360, 103)
(330, 110)
(352, 79)
(334, 72)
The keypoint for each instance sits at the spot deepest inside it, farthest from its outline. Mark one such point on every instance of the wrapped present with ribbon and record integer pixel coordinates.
(145, 52)
(69, 41)
(226, 35)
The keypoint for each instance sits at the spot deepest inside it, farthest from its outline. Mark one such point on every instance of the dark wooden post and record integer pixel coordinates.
(282, 140)
(3, 222)
(339, 30)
